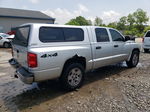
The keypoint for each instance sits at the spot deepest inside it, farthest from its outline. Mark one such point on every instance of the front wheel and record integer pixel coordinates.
(134, 60)
(72, 76)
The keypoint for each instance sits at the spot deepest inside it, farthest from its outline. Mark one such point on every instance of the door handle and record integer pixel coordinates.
(116, 45)
(98, 47)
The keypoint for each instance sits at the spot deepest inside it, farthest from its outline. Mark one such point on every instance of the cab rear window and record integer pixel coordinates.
(56, 34)
(21, 36)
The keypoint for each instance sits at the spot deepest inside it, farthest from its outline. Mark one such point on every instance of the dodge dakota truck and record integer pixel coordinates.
(45, 51)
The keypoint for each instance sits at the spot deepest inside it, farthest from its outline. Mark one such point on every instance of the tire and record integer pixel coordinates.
(134, 60)
(72, 76)
(146, 50)
(6, 45)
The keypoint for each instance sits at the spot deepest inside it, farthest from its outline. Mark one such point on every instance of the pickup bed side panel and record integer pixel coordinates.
(52, 57)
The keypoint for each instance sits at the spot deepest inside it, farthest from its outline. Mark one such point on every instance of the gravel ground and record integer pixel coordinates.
(110, 89)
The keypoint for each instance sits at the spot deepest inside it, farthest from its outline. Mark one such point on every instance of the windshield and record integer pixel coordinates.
(147, 34)
(4, 35)
(21, 36)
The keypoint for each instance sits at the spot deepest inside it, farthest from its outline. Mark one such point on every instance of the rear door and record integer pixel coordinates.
(147, 39)
(102, 47)
(20, 44)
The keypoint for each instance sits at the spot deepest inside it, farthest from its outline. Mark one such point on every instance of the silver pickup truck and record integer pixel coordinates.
(44, 51)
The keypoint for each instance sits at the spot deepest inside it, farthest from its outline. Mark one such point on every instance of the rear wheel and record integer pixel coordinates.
(72, 76)
(146, 50)
(134, 60)
(6, 45)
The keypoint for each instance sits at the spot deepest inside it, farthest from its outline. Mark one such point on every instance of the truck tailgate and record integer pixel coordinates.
(20, 54)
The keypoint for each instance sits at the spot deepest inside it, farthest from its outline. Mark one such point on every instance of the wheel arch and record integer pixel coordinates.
(75, 59)
(135, 49)
(6, 42)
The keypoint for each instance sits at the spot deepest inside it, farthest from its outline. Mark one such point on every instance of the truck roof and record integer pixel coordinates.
(58, 25)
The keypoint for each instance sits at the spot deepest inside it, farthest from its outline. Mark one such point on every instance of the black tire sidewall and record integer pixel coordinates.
(8, 45)
(64, 77)
(130, 63)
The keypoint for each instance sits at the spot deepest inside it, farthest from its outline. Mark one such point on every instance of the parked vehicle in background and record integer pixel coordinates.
(146, 42)
(44, 51)
(5, 40)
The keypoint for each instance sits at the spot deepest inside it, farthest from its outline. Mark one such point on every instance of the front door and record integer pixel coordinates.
(118, 48)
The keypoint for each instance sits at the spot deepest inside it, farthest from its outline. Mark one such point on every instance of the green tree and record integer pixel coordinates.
(141, 19)
(121, 25)
(80, 21)
(112, 25)
(141, 16)
(132, 32)
(73, 22)
(146, 29)
(98, 21)
(89, 22)
(130, 19)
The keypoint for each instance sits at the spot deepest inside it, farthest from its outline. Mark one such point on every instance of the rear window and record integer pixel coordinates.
(21, 36)
(147, 34)
(102, 35)
(51, 34)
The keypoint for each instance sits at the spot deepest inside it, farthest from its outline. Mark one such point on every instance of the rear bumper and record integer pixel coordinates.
(21, 72)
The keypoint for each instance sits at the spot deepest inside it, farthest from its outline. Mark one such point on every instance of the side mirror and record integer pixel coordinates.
(127, 38)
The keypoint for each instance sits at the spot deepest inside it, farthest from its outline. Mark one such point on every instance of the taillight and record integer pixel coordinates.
(143, 39)
(32, 60)
(11, 33)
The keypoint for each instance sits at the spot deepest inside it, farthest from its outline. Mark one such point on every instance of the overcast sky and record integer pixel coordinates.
(64, 10)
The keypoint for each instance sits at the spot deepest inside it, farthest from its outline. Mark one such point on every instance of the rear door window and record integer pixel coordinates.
(147, 34)
(101, 35)
(21, 36)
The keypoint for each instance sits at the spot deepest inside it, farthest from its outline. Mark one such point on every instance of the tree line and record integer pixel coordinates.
(135, 24)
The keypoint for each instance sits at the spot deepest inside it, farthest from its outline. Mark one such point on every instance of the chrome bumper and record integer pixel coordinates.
(22, 73)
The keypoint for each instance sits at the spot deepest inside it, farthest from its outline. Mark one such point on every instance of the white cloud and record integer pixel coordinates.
(83, 8)
(107, 16)
(34, 1)
(110, 16)
(63, 15)
(92, 18)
